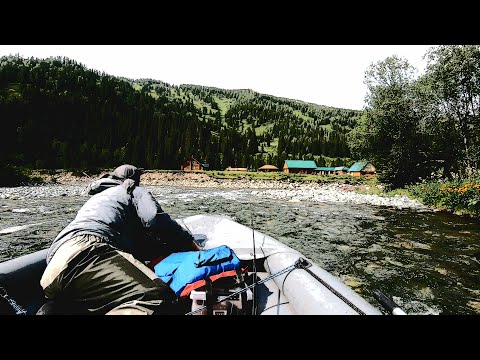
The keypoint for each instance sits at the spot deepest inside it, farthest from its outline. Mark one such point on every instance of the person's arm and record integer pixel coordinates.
(160, 224)
(101, 184)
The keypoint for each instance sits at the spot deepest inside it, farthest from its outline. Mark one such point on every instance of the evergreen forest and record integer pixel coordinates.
(56, 113)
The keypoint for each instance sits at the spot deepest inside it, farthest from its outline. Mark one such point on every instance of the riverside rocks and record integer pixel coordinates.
(274, 189)
(288, 190)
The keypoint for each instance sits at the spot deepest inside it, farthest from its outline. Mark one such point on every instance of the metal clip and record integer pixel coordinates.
(302, 263)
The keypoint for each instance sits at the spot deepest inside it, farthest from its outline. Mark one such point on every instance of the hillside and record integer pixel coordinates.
(305, 128)
(56, 113)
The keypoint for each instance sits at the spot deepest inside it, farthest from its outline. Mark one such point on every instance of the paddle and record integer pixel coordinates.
(388, 303)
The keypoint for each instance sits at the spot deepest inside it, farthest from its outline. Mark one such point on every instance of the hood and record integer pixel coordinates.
(116, 177)
(127, 171)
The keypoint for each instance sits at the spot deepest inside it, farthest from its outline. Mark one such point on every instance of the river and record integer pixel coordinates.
(427, 262)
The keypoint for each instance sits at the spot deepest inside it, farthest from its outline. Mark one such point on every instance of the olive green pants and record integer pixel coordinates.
(88, 276)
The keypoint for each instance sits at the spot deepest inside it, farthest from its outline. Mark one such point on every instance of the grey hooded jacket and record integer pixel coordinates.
(127, 217)
(116, 177)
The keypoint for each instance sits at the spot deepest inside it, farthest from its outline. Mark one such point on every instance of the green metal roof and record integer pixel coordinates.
(301, 164)
(205, 165)
(358, 166)
(325, 169)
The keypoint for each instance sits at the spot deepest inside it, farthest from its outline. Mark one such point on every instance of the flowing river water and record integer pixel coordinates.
(427, 262)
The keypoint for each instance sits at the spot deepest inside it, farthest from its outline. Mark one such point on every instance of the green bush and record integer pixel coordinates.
(12, 176)
(461, 197)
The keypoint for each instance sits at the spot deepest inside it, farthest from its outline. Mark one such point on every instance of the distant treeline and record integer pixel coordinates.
(56, 113)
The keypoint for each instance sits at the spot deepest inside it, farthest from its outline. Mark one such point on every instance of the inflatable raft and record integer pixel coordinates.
(274, 279)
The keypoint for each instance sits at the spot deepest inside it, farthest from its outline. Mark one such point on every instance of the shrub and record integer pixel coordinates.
(455, 196)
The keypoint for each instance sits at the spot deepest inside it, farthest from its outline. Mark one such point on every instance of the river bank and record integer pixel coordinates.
(286, 190)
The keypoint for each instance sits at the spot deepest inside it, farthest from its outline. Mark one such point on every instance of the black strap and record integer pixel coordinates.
(209, 296)
(10, 306)
(304, 264)
(241, 282)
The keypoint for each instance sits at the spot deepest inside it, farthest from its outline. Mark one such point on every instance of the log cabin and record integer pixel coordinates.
(193, 164)
(299, 166)
(362, 168)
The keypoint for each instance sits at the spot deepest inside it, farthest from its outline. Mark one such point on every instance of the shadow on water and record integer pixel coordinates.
(428, 262)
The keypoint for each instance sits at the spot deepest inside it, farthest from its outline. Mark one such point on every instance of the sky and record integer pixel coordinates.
(331, 75)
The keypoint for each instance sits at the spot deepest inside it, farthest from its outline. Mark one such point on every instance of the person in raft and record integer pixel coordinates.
(96, 264)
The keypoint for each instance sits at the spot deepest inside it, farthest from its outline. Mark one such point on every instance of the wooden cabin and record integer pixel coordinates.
(341, 170)
(325, 171)
(362, 168)
(193, 164)
(268, 168)
(299, 166)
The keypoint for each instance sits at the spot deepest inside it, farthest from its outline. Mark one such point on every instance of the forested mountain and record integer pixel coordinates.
(56, 113)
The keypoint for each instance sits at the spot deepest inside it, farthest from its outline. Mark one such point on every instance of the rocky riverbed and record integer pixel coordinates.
(271, 189)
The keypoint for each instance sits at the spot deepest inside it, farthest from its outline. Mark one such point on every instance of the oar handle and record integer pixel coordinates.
(388, 303)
